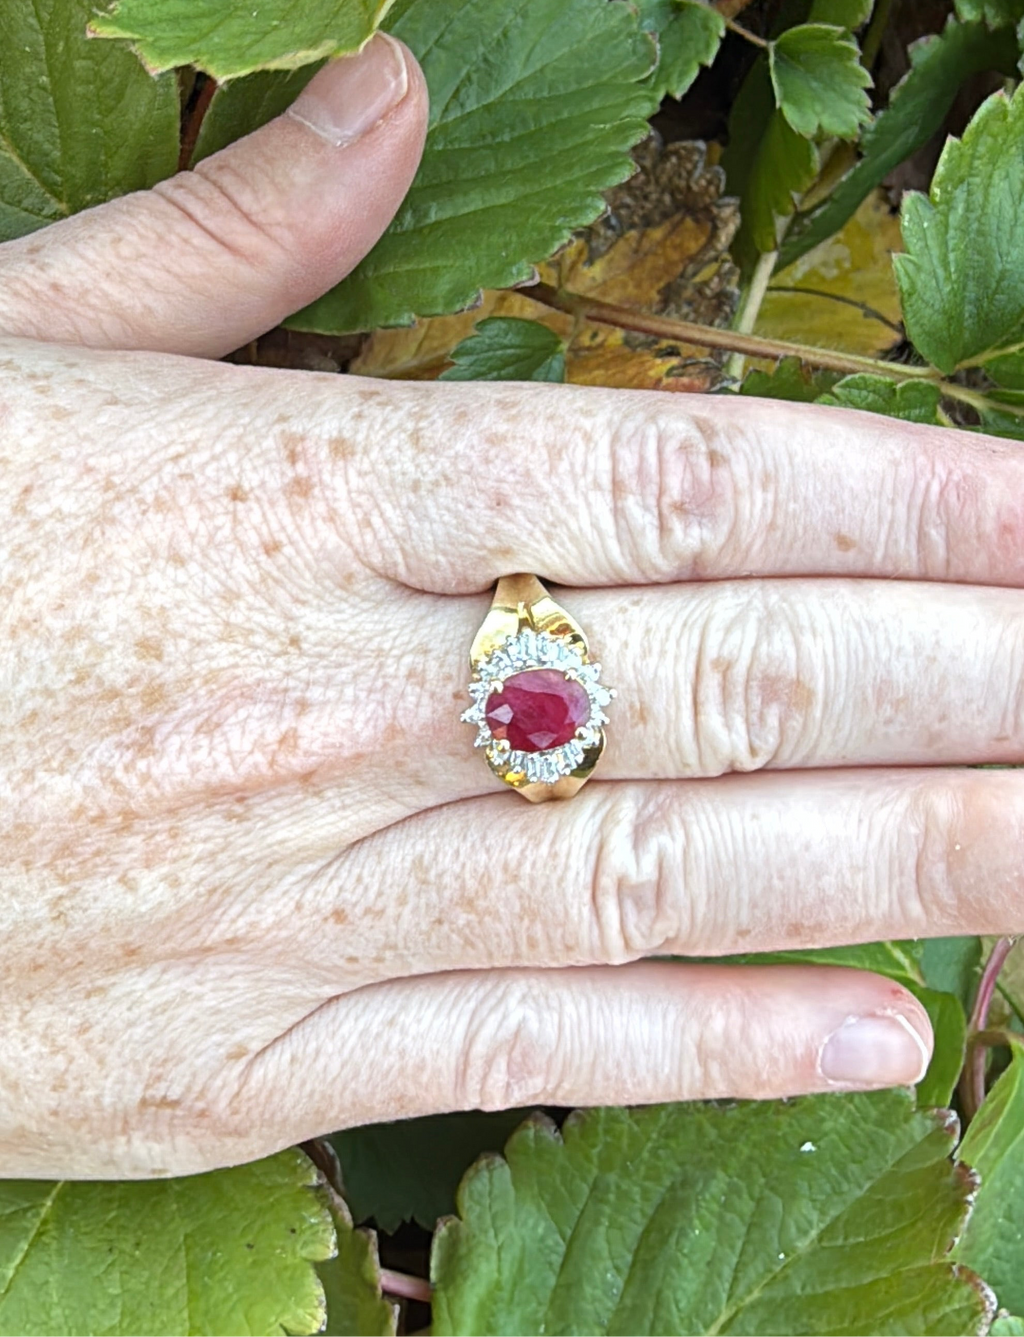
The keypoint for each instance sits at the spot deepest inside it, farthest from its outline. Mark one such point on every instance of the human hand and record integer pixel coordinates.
(257, 883)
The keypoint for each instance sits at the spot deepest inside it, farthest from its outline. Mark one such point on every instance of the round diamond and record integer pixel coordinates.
(537, 709)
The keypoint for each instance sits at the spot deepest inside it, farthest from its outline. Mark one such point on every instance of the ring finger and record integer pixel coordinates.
(745, 675)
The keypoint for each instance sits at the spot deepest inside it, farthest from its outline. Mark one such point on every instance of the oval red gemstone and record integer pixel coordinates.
(537, 709)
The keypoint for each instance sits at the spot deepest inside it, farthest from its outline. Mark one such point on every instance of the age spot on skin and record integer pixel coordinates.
(844, 543)
(237, 493)
(716, 459)
(301, 487)
(148, 647)
(292, 443)
(341, 448)
(154, 696)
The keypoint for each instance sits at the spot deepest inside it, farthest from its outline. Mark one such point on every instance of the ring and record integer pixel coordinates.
(538, 703)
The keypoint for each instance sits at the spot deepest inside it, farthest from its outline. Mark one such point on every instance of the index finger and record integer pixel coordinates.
(588, 486)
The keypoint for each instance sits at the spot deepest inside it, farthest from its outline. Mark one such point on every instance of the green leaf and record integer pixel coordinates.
(766, 165)
(1005, 424)
(848, 14)
(228, 1252)
(791, 379)
(227, 38)
(785, 165)
(351, 1282)
(996, 13)
(918, 106)
(80, 121)
(949, 1026)
(1007, 370)
(819, 81)
(534, 108)
(993, 1242)
(915, 401)
(243, 105)
(953, 965)
(961, 279)
(998, 395)
(827, 1214)
(900, 961)
(689, 33)
(1007, 1326)
(409, 1170)
(505, 348)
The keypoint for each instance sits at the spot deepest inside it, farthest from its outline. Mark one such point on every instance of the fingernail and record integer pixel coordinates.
(349, 96)
(883, 1050)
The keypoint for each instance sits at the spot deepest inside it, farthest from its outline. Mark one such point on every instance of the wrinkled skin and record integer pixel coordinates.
(256, 882)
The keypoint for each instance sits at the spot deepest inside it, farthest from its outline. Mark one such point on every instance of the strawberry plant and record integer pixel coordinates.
(548, 237)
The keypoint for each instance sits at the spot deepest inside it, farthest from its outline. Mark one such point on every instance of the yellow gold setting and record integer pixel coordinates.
(526, 629)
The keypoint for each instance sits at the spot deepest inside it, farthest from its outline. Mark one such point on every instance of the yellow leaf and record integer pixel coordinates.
(842, 295)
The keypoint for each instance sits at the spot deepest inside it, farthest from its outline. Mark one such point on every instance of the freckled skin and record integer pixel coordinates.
(237, 797)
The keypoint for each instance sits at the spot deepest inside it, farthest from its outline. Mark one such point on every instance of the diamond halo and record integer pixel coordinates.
(529, 649)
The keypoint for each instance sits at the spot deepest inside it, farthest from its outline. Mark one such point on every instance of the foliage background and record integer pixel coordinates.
(743, 247)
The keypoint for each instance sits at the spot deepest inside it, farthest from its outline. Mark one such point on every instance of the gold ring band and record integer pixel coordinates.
(538, 702)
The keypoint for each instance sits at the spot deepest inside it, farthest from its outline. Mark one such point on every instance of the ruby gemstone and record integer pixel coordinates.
(537, 709)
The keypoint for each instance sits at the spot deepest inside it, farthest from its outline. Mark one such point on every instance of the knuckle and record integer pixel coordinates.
(1007, 670)
(217, 202)
(931, 839)
(753, 699)
(943, 511)
(636, 901)
(673, 496)
(510, 1053)
(709, 1047)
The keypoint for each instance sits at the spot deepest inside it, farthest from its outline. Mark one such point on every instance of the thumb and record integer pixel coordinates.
(210, 258)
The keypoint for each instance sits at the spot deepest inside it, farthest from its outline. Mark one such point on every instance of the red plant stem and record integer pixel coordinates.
(972, 1081)
(711, 336)
(403, 1285)
(193, 123)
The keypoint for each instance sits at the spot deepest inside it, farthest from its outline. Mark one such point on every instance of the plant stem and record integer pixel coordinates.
(193, 122)
(730, 8)
(979, 401)
(711, 336)
(972, 1079)
(405, 1286)
(747, 35)
(868, 312)
(752, 300)
(875, 33)
(325, 1158)
(991, 1038)
(754, 345)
